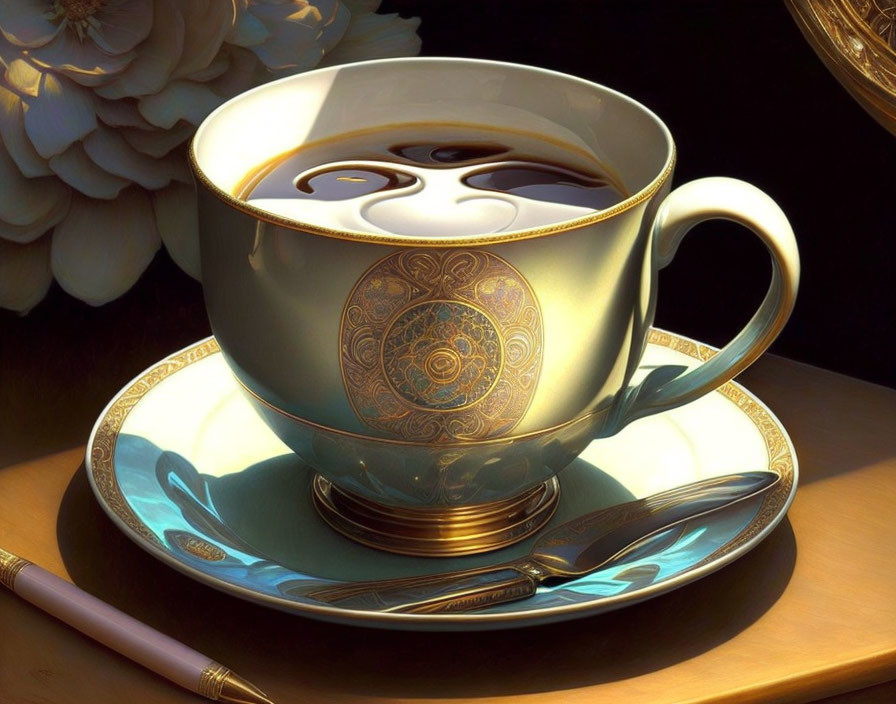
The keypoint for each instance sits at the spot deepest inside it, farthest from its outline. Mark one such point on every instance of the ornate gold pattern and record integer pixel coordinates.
(211, 681)
(517, 586)
(880, 15)
(196, 546)
(857, 41)
(102, 447)
(10, 566)
(781, 459)
(441, 346)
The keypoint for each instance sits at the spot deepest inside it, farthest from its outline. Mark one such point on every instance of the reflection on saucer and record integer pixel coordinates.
(181, 463)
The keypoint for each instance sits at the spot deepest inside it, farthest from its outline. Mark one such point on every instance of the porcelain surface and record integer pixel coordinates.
(183, 465)
(496, 357)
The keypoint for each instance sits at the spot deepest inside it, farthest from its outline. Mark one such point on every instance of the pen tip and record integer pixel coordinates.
(238, 691)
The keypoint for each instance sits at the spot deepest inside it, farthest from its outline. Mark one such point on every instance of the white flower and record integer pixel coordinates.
(373, 36)
(288, 35)
(97, 100)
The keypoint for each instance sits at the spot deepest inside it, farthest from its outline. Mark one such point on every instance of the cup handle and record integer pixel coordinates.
(688, 205)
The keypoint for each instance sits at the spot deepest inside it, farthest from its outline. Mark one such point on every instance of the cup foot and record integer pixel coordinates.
(440, 531)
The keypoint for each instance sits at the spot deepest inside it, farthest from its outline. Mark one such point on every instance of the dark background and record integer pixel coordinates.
(744, 96)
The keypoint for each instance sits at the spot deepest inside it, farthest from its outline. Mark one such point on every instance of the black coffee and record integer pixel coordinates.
(456, 181)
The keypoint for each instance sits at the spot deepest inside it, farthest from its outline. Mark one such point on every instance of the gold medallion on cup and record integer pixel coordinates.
(441, 346)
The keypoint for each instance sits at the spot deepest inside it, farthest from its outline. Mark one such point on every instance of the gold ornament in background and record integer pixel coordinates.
(856, 40)
(441, 346)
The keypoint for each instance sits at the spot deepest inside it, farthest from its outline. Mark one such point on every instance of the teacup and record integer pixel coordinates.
(307, 315)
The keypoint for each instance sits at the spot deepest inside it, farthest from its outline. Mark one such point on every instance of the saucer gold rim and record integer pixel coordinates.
(100, 466)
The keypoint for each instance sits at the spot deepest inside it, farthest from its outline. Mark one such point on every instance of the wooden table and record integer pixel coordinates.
(809, 613)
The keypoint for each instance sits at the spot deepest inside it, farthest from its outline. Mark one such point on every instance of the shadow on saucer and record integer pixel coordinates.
(285, 653)
(270, 505)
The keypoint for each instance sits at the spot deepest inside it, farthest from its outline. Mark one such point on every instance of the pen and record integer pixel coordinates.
(124, 634)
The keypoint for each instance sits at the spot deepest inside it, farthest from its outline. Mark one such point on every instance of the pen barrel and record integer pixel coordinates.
(109, 626)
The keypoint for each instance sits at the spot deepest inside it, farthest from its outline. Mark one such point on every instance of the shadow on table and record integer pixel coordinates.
(252, 639)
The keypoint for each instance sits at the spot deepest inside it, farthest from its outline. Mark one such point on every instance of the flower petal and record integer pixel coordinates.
(120, 113)
(12, 131)
(121, 26)
(292, 44)
(207, 22)
(27, 201)
(372, 36)
(217, 66)
(61, 113)
(24, 23)
(112, 153)
(28, 233)
(176, 163)
(23, 76)
(80, 172)
(158, 143)
(156, 59)
(179, 100)
(243, 72)
(23, 234)
(335, 24)
(248, 30)
(102, 246)
(25, 274)
(178, 225)
(356, 7)
(82, 61)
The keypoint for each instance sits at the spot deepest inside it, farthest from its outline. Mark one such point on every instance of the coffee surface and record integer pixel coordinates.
(457, 182)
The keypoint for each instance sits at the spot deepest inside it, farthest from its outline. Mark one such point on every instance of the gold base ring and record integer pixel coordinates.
(436, 532)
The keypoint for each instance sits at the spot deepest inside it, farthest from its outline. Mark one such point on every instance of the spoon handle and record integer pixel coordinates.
(575, 548)
(440, 593)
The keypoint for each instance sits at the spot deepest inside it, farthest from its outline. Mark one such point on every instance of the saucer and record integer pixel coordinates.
(182, 465)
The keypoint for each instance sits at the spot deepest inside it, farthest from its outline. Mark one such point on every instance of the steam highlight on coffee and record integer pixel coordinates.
(444, 184)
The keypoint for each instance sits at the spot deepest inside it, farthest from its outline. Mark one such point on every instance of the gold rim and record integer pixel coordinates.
(101, 473)
(441, 243)
(396, 241)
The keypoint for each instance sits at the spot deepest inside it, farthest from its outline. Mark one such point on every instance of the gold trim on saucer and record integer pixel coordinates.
(101, 448)
(100, 466)
(436, 532)
(780, 459)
